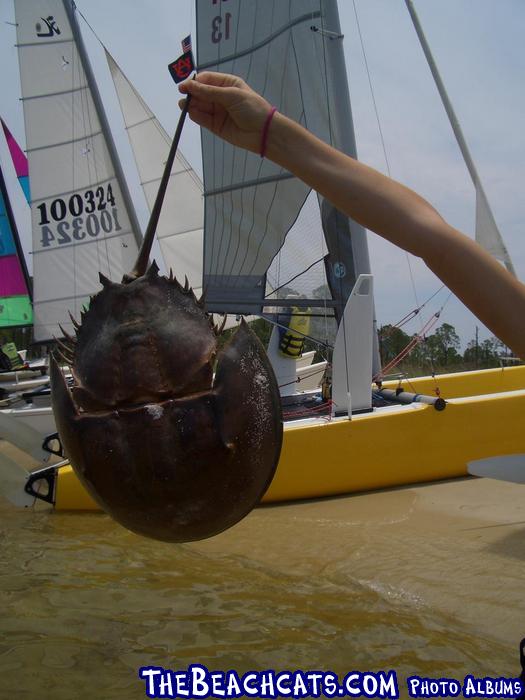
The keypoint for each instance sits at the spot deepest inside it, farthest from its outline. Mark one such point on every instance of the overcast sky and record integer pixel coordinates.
(480, 51)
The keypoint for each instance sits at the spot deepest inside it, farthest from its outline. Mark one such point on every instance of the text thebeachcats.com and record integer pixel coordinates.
(198, 682)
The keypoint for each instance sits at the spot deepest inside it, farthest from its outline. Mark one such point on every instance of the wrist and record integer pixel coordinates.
(286, 142)
(265, 131)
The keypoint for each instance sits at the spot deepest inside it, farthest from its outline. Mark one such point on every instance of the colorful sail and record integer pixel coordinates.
(19, 161)
(15, 298)
(82, 219)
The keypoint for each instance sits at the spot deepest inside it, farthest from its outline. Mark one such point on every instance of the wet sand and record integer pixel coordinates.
(457, 547)
(425, 579)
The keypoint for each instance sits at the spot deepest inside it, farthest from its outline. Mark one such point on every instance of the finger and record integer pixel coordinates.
(198, 104)
(201, 118)
(209, 93)
(219, 79)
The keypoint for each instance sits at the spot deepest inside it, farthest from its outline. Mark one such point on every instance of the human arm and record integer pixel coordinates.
(228, 107)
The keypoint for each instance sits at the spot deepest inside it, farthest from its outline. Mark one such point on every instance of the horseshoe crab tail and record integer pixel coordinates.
(143, 257)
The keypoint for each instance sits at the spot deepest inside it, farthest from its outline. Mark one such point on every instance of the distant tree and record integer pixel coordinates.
(285, 292)
(262, 329)
(392, 341)
(321, 292)
(419, 355)
(484, 354)
(472, 353)
(444, 345)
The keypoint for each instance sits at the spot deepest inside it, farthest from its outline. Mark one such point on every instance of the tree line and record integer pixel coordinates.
(442, 350)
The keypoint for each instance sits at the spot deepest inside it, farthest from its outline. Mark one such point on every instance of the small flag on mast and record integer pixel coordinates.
(186, 44)
(183, 66)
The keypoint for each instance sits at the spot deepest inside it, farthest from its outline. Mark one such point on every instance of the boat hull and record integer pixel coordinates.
(388, 447)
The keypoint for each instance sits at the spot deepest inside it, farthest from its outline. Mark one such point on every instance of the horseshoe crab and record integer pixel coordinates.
(168, 449)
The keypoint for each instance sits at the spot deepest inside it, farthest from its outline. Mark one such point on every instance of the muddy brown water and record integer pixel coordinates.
(425, 580)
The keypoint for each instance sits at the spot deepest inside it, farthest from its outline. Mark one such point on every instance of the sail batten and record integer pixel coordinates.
(248, 183)
(309, 16)
(69, 142)
(58, 93)
(31, 44)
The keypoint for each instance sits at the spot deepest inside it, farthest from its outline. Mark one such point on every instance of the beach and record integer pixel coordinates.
(424, 580)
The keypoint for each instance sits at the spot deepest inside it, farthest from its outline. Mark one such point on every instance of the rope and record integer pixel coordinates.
(418, 338)
(299, 380)
(310, 412)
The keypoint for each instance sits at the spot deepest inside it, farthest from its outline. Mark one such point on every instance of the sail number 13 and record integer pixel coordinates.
(92, 212)
(220, 25)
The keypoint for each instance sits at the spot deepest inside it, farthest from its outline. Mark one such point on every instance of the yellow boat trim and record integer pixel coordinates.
(454, 385)
(385, 448)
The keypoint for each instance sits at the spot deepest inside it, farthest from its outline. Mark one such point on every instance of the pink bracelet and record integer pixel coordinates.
(266, 127)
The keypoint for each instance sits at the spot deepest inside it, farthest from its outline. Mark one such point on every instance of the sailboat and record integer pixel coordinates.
(27, 378)
(251, 249)
(15, 286)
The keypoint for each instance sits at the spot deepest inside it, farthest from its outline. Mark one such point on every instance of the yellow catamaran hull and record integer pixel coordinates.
(389, 446)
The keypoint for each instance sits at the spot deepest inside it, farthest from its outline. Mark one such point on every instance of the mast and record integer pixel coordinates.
(343, 138)
(14, 233)
(493, 240)
(342, 125)
(70, 8)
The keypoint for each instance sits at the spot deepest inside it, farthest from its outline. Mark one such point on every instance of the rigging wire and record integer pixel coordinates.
(91, 159)
(414, 341)
(412, 314)
(381, 135)
(285, 284)
(316, 341)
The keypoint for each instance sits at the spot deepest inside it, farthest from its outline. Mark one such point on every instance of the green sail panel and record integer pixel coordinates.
(15, 303)
(15, 311)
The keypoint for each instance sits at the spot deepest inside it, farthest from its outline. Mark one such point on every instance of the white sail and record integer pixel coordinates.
(80, 223)
(291, 52)
(179, 230)
(282, 50)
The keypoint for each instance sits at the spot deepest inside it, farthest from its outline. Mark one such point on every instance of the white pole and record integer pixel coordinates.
(458, 133)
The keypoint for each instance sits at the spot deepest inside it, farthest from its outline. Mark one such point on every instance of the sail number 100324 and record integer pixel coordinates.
(93, 212)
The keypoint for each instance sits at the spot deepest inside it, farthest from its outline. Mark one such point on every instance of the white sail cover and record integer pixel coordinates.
(179, 230)
(80, 224)
(487, 232)
(250, 202)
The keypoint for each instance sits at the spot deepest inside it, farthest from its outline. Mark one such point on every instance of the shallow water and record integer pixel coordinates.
(84, 603)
